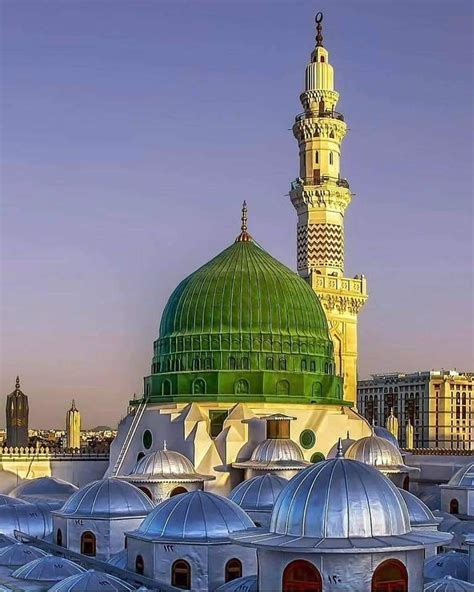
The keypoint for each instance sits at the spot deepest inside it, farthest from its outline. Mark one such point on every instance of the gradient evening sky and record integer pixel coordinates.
(133, 130)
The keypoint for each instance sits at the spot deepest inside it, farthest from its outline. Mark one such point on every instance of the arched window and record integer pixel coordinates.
(321, 106)
(140, 455)
(317, 390)
(454, 506)
(304, 365)
(199, 387)
(233, 570)
(338, 391)
(269, 363)
(166, 388)
(196, 365)
(331, 158)
(312, 366)
(282, 363)
(139, 565)
(316, 157)
(88, 544)
(245, 364)
(178, 491)
(326, 368)
(232, 363)
(406, 483)
(181, 574)
(390, 576)
(59, 537)
(178, 365)
(331, 135)
(301, 576)
(146, 491)
(241, 387)
(322, 59)
(283, 388)
(208, 363)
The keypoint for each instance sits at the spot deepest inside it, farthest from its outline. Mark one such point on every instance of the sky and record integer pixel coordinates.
(133, 130)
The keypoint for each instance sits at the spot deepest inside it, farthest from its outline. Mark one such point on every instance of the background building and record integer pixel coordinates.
(17, 417)
(439, 405)
(73, 427)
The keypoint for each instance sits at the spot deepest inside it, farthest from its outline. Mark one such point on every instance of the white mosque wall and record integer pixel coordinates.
(351, 572)
(464, 497)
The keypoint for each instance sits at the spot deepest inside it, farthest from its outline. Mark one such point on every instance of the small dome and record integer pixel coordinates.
(43, 486)
(8, 500)
(432, 499)
(245, 584)
(419, 513)
(460, 530)
(194, 516)
(463, 478)
(448, 584)
(91, 581)
(19, 554)
(345, 443)
(275, 454)
(453, 563)
(377, 452)
(447, 520)
(382, 432)
(166, 465)
(119, 559)
(32, 519)
(258, 494)
(48, 569)
(107, 498)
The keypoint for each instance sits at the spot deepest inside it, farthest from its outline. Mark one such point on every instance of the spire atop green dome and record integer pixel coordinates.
(244, 327)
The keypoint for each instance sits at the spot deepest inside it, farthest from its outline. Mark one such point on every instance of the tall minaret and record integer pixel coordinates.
(17, 411)
(73, 427)
(320, 196)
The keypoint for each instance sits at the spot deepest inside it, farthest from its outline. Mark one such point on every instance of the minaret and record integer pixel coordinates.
(320, 196)
(17, 417)
(73, 427)
(392, 424)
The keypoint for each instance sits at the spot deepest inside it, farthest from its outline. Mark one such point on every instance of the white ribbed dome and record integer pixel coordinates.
(449, 584)
(43, 487)
(463, 478)
(19, 554)
(274, 454)
(107, 498)
(92, 581)
(258, 494)
(166, 465)
(453, 563)
(419, 513)
(377, 452)
(48, 569)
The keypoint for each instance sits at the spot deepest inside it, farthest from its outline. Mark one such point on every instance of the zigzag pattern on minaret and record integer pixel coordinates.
(320, 245)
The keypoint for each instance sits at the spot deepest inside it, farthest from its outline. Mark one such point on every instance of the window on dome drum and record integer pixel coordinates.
(178, 490)
(232, 364)
(317, 457)
(390, 576)
(59, 538)
(208, 363)
(139, 565)
(88, 544)
(196, 364)
(312, 366)
(217, 418)
(233, 570)
(241, 387)
(304, 365)
(338, 391)
(269, 363)
(147, 439)
(301, 576)
(245, 364)
(181, 574)
(307, 439)
(317, 389)
(166, 388)
(283, 388)
(282, 363)
(454, 506)
(199, 387)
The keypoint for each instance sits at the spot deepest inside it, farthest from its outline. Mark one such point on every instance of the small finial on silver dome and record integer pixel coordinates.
(340, 452)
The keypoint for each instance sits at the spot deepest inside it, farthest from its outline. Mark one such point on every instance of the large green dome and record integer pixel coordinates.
(244, 327)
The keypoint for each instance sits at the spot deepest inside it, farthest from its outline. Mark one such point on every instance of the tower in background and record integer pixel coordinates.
(17, 417)
(320, 196)
(73, 427)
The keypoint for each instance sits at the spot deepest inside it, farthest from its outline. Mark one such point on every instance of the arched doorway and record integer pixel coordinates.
(59, 538)
(390, 576)
(301, 576)
(139, 565)
(181, 574)
(406, 483)
(233, 570)
(178, 490)
(88, 544)
(454, 506)
(146, 491)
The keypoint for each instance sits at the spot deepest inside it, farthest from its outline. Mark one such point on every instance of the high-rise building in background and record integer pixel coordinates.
(439, 405)
(17, 417)
(73, 427)
(320, 196)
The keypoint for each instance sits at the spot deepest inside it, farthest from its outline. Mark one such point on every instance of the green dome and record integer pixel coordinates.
(243, 327)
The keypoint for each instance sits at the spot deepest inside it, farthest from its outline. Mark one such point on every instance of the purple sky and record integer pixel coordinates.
(132, 132)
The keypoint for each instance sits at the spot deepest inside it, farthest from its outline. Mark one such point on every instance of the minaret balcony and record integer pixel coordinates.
(312, 114)
(321, 180)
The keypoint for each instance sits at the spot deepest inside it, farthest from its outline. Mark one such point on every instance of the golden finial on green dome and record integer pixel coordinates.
(244, 236)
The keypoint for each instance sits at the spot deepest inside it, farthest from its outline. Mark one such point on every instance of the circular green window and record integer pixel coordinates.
(307, 438)
(317, 457)
(147, 439)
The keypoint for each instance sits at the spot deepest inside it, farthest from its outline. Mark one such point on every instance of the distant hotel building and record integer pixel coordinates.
(439, 404)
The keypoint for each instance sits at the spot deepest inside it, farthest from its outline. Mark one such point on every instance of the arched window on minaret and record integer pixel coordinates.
(331, 158)
(316, 157)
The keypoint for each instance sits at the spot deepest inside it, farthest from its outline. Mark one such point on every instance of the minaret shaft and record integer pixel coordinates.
(320, 196)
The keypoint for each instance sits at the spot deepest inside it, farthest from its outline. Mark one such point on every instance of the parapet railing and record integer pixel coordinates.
(28, 452)
(339, 181)
(326, 113)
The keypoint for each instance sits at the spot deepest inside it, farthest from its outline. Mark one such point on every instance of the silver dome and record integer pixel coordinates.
(6, 541)
(31, 519)
(8, 500)
(119, 559)
(245, 584)
(377, 452)
(448, 584)
(48, 569)
(463, 478)
(19, 554)
(259, 493)
(107, 498)
(446, 520)
(44, 489)
(92, 581)
(166, 465)
(382, 432)
(453, 563)
(419, 513)
(275, 454)
(194, 516)
(339, 504)
(345, 443)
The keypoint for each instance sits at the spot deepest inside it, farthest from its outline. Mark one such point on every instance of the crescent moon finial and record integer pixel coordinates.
(319, 29)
